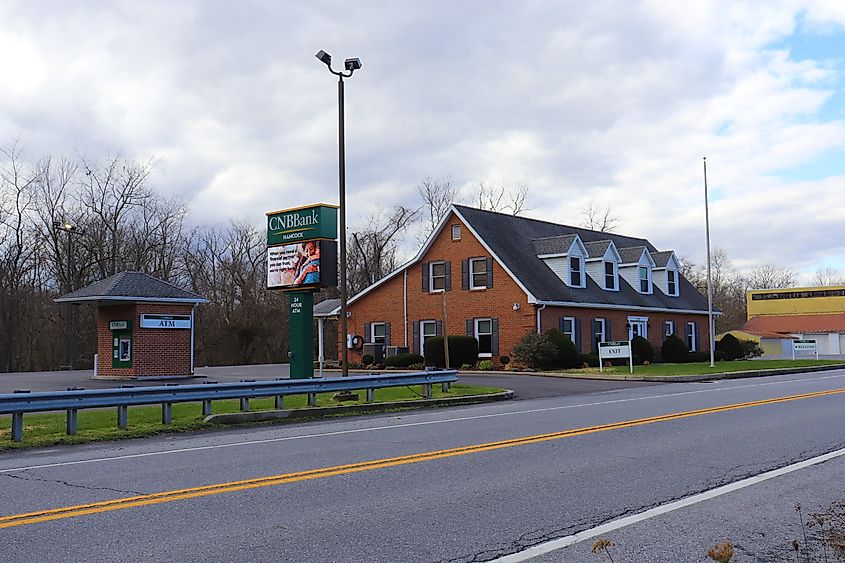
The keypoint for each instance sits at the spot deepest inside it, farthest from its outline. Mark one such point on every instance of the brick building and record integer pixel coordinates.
(145, 326)
(503, 276)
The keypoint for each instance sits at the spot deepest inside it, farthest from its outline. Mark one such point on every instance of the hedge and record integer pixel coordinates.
(462, 350)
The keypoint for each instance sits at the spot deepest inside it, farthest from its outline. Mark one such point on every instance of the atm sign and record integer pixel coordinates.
(165, 321)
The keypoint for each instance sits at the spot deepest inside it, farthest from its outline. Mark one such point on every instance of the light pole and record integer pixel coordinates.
(711, 326)
(350, 66)
(71, 230)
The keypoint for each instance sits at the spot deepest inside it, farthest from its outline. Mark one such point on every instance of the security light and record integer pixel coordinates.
(352, 64)
(324, 57)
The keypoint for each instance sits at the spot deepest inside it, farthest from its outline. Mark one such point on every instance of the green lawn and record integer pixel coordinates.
(700, 368)
(101, 424)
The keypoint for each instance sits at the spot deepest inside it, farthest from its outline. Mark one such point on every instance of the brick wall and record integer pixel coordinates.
(155, 352)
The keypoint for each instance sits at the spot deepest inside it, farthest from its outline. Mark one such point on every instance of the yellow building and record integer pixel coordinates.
(812, 313)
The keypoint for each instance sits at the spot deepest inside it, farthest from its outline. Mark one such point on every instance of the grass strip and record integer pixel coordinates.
(703, 368)
(48, 429)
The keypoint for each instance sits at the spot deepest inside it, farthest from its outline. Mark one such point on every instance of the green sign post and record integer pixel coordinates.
(301, 258)
(301, 334)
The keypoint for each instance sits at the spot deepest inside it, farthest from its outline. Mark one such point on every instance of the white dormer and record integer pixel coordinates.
(667, 272)
(603, 264)
(566, 256)
(637, 268)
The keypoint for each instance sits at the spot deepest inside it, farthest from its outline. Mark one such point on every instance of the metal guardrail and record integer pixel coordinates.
(74, 399)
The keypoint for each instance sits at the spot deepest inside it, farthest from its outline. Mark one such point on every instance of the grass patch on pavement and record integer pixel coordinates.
(703, 368)
(47, 429)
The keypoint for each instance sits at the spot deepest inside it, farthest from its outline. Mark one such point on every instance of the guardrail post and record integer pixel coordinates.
(122, 417)
(312, 399)
(427, 390)
(166, 413)
(72, 422)
(206, 407)
(445, 386)
(280, 402)
(371, 395)
(17, 426)
(244, 404)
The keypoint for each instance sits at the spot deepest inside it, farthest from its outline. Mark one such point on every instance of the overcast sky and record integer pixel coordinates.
(615, 102)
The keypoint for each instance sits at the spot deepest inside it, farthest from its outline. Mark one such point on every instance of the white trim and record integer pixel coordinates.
(674, 330)
(640, 321)
(470, 272)
(621, 307)
(452, 232)
(692, 333)
(373, 332)
(431, 288)
(572, 320)
(422, 332)
(476, 334)
(604, 274)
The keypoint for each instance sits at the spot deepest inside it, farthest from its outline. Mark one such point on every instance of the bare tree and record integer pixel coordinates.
(728, 288)
(438, 194)
(829, 276)
(768, 276)
(372, 250)
(501, 198)
(599, 217)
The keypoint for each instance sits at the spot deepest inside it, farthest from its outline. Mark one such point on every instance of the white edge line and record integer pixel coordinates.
(403, 425)
(566, 541)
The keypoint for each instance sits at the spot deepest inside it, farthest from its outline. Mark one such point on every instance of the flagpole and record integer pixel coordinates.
(709, 278)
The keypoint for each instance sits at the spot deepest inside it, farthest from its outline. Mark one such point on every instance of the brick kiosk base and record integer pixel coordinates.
(156, 352)
(125, 348)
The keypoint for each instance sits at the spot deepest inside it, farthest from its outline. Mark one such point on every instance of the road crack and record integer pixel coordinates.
(29, 476)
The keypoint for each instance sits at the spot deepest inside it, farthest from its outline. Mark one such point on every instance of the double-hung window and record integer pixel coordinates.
(379, 333)
(672, 282)
(456, 232)
(428, 329)
(437, 276)
(645, 282)
(576, 271)
(668, 328)
(484, 335)
(692, 337)
(609, 275)
(477, 273)
(568, 327)
(601, 330)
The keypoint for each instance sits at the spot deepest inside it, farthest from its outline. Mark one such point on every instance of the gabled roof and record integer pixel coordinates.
(661, 259)
(631, 254)
(510, 239)
(798, 324)
(129, 287)
(553, 245)
(597, 248)
(327, 308)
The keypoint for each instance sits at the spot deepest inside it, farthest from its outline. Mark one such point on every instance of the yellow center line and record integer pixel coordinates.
(273, 480)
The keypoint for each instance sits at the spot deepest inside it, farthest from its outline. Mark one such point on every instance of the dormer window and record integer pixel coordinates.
(645, 279)
(576, 271)
(672, 282)
(610, 275)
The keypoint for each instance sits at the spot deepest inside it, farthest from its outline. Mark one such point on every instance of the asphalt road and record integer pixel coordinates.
(524, 387)
(460, 503)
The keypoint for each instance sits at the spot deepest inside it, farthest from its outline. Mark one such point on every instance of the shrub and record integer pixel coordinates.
(674, 350)
(750, 349)
(466, 366)
(567, 356)
(504, 360)
(367, 359)
(731, 347)
(403, 360)
(485, 365)
(462, 350)
(642, 350)
(591, 360)
(536, 351)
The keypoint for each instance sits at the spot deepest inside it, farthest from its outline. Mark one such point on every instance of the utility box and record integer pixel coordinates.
(376, 350)
(121, 354)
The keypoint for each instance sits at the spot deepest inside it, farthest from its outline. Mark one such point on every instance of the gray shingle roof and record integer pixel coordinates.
(661, 259)
(131, 286)
(596, 249)
(553, 245)
(631, 255)
(326, 308)
(512, 240)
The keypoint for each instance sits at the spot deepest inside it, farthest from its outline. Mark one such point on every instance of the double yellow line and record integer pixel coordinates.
(232, 486)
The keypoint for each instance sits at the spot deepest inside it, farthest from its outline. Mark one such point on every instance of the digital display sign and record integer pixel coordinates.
(302, 265)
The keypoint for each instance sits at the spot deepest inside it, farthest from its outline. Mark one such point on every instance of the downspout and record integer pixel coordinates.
(539, 308)
(405, 308)
(194, 308)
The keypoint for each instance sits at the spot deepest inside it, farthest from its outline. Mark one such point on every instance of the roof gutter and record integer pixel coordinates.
(620, 307)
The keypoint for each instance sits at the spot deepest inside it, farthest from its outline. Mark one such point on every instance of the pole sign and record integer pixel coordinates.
(165, 321)
(613, 350)
(804, 348)
(302, 223)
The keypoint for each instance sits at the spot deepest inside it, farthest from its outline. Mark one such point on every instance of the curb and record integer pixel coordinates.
(312, 412)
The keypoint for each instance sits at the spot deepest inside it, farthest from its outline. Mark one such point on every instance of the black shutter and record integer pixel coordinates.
(448, 275)
(594, 348)
(425, 277)
(386, 334)
(687, 333)
(698, 345)
(494, 344)
(470, 330)
(438, 328)
(367, 333)
(464, 274)
(578, 337)
(489, 272)
(607, 333)
(415, 330)
(560, 324)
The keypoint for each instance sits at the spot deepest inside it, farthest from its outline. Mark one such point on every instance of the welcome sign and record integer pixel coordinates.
(302, 224)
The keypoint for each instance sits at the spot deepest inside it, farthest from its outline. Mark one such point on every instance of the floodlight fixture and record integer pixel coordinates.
(324, 57)
(352, 64)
